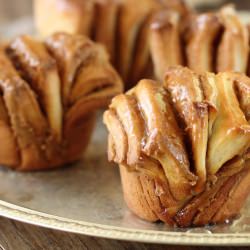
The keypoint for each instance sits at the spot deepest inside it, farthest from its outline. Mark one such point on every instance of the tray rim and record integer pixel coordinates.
(37, 218)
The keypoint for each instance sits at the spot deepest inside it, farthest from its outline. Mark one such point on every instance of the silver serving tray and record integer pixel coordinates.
(86, 197)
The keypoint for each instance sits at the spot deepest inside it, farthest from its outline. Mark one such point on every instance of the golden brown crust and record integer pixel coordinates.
(107, 12)
(44, 124)
(185, 90)
(148, 196)
(78, 138)
(163, 140)
(150, 131)
(9, 154)
(165, 42)
(234, 46)
(37, 66)
(230, 133)
(213, 42)
(236, 198)
(71, 52)
(64, 15)
(242, 87)
(201, 35)
(117, 24)
(84, 69)
(134, 195)
(27, 121)
(133, 26)
(149, 199)
(183, 147)
(132, 124)
(140, 55)
(130, 22)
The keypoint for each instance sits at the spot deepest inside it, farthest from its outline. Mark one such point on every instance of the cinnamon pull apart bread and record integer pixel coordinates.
(121, 25)
(214, 42)
(50, 91)
(183, 146)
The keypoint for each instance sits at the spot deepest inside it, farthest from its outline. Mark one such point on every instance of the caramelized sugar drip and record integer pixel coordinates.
(50, 91)
(187, 98)
(165, 42)
(133, 35)
(146, 127)
(191, 136)
(26, 121)
(242, 88)
(201, 36)
(230, 135)
(233, 49)
(40, 70)
(122, 26)
(88, 80)
(213, 42)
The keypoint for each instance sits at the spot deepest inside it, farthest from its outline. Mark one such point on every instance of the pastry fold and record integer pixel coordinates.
(120, 25)
(64, 15)
(187, 98)
(183, 146)
(40, 126)
(200, 39)
(165, 41)
(233, 49)
(213, 42)
(37, 66)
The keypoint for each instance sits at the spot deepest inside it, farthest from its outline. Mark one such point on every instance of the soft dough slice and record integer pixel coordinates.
(9, 153)
(40, 70)
(141, 56)
(164, 140)
(129, 114)
(187, 98)
(242, 88)
(118, 136)
(27, 121)
(106, 24)
(86, 73)
(131, 20)
(72, 16)
(201, 36)
(231, 132)
(210, 92)
(165, 42)
(234, 45)
(94, 75)
(71, 52)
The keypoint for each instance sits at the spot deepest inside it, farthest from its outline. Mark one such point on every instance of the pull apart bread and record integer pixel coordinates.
(183, 146)
(214, 42)
(121, 25)
(49, 94)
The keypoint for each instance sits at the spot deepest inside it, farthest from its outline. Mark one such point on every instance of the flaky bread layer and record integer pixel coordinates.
(148, 198)
(213, 41)
(190, 136)
(50, 92)
(120, 25)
